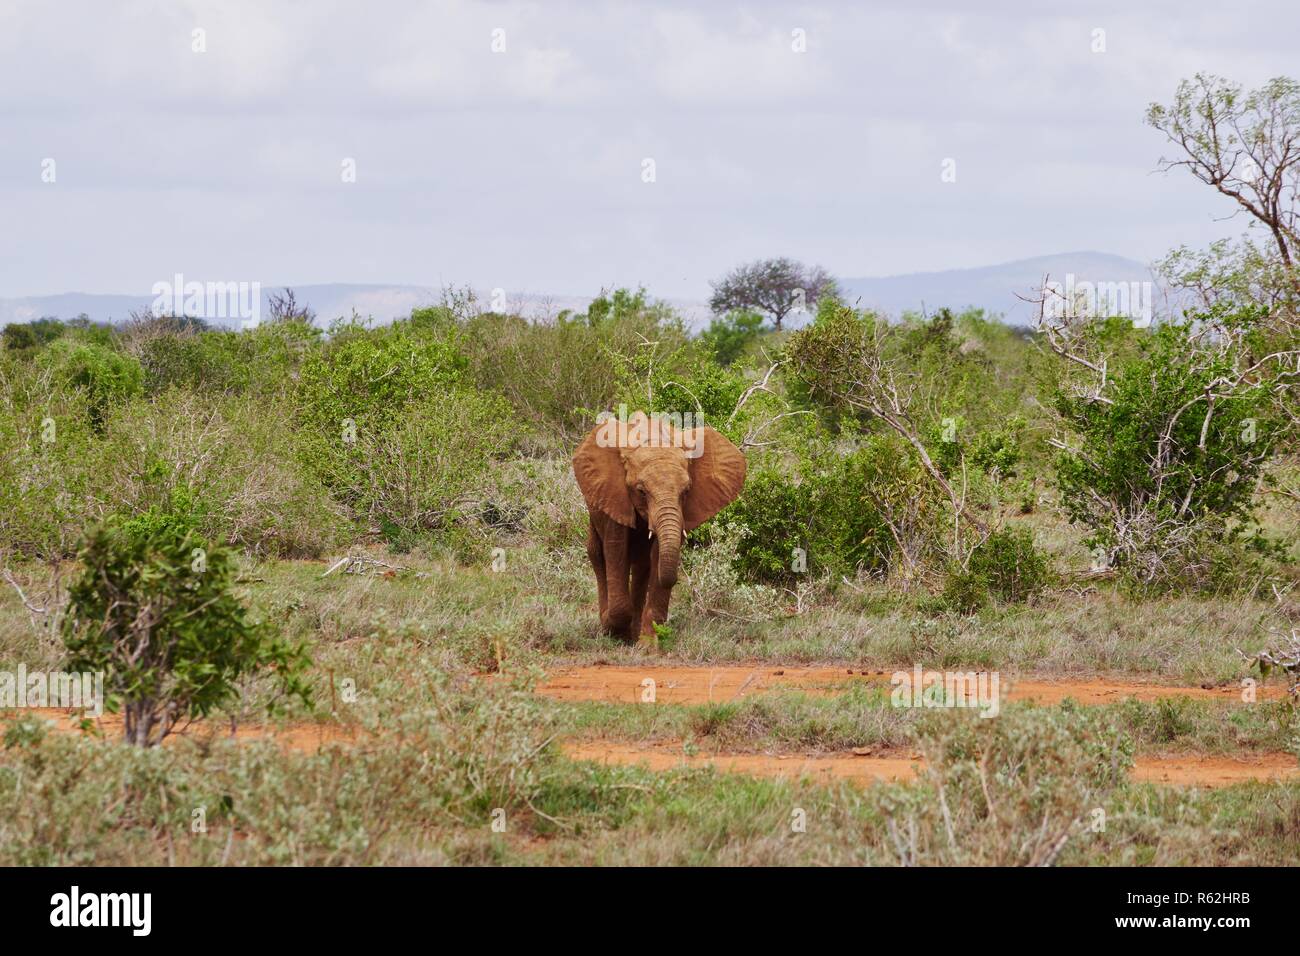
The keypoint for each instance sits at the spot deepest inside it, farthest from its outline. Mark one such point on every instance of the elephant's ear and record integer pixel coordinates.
(603, 479)
(717, 475)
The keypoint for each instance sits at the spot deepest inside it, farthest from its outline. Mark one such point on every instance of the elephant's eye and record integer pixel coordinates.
(640, 486)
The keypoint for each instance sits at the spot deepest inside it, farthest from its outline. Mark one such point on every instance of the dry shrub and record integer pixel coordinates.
(232, 458)
(1010, 790)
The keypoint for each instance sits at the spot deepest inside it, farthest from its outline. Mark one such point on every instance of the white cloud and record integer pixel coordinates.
(521, 169)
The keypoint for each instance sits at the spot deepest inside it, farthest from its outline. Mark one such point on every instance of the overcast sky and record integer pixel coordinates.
(524, 169)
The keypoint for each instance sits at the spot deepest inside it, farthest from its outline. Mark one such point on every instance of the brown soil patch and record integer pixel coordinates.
(822, 767)
(702, 685)
(1207, 771)
(301, 737)
(1215, 771)
(1173, 771)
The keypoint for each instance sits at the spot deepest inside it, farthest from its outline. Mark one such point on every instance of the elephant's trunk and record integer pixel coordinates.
(668, 529)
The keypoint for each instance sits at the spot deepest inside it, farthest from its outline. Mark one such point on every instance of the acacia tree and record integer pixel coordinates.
(1247, 146)
(773, 287)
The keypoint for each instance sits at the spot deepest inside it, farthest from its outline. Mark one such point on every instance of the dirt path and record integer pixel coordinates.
(702, 685)
(697, 685)
(302, 737)
(1174, 771)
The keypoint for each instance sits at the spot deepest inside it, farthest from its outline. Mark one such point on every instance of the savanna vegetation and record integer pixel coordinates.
(373, 530)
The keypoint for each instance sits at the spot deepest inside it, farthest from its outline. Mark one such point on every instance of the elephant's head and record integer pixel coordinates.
(675, 479)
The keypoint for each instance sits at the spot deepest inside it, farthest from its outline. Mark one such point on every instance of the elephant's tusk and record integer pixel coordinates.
(651, 535)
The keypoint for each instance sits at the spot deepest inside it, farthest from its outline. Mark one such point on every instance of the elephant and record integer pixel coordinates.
(646, 484)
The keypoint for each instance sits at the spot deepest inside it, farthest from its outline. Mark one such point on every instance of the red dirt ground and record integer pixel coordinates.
(702, 685)
(1202, 771)
(696, 685)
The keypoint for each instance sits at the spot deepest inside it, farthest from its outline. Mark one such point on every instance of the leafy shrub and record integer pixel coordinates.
(184, 514)
(776, 513)
(263, 361)
(48, 460)
(837, 510)
(729, 336)
(559, 374)
(26, 336)
(369, 375)
(1158, 472)
(697, 385)
(713, 584)
(1006, 565)
(197, 361)
(429, 467)
(544, 489)
(1015, 569)
(105, 376)
(995, 450)
(381, 418)
(154, 610)
(965, 591)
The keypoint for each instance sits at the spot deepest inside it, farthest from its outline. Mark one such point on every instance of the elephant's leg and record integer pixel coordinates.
(640, 562)
(617, 616)
(656, 606)
(596, 554)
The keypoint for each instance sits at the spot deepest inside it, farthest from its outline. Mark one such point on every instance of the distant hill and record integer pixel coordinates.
(992, 288)
(331, 301)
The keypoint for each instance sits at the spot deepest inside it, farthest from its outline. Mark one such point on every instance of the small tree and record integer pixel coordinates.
(774, 287)
(154, 611)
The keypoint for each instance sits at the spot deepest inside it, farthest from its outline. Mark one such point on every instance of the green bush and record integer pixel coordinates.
(1155, 472)
(154, 610)
(105, 376)
(555, 375)
(1005, 565)
(697, 385)
(554, 512)
(21, 336)
(995, 450)
(965, 591)
(559, 374)
(48, 460)
(263, 361)
(356, 428)
(729, 337)
(776, 513)
(834, 509)
(369, 375)
(430, 467)
(1015, 569)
